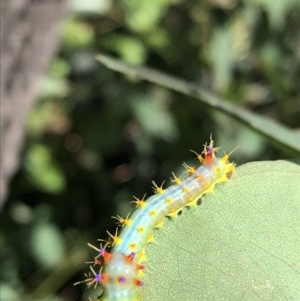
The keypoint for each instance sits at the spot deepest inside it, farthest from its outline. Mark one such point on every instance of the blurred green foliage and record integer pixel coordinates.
(42, 171)
(96, 138)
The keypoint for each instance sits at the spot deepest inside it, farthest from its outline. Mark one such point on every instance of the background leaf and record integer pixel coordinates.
(47, 244)
(242, 243)
(42, 170)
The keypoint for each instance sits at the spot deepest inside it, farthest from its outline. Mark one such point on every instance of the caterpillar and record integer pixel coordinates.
(121, 259)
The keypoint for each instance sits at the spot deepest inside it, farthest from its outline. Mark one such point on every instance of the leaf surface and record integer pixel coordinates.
(241, 243)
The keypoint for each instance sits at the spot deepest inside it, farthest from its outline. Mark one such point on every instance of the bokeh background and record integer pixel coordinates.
(95, 137)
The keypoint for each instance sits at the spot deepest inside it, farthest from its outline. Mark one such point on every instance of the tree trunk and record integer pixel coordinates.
(29, 39)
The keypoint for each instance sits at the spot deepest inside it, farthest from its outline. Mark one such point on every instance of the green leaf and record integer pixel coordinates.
(8, 292)
(221, 58)
(142, 16)
(42, 171)
(154, 117)
(241, 243)
(277, 11)
(130, 48)
(47, 245)
(76, 35)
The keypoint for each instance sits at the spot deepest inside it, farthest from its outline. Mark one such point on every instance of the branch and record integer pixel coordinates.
(279, 135)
